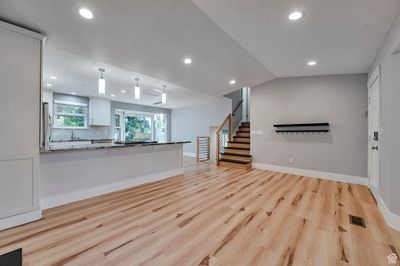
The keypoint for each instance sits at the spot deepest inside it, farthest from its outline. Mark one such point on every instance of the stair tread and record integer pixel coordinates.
(241, 137)
(233, 161)
(236, 154)
(233, 148)
(238, 142)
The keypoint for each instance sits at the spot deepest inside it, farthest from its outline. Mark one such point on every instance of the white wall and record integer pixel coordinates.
(389, 144)
(191, 122)
(340, 100)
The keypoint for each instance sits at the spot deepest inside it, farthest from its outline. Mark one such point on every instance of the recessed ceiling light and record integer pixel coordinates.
(187, 61)
(232, 82)
(49, 85)
(112, 95)
(53, 77)
(73, 93)
(312, 63)
(86, 13)
(296, 15)
(123, 91)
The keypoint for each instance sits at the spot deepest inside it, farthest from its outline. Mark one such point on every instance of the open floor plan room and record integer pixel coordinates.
(213, 216)
(199, 132)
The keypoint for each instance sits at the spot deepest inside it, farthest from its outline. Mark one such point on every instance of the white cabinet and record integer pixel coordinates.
(20, 86)
(100, 112)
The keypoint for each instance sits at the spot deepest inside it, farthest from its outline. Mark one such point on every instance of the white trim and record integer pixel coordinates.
(100, 190)
(393, 220)
(189, 154)
(71, 103)
(312, 173)
(20, 219)
(21, 30)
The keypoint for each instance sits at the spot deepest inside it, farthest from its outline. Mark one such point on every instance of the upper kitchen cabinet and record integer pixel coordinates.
(100, 112)
(20, 86)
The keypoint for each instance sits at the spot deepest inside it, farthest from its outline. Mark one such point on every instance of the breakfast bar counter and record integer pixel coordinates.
(70, 173)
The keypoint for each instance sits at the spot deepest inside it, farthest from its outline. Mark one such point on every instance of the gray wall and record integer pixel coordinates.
(89, 133)
(340, 100)
(139, 108)
(191, 122)
(236, 97)
(389, 144)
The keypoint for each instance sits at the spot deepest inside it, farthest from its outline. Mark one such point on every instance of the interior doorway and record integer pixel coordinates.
(374, 129)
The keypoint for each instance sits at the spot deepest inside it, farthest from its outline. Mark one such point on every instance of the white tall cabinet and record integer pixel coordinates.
(20, 90)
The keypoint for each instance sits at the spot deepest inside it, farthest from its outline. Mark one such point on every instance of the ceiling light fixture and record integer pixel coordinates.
(123, 91)
(296, 15)
(164, 95)
(49, 85)
(112, 95)
(137, 89)
(187, 61)
(232, 82)
(73, 93)
(53, 77)
(312, 63)
(102, 82)
(86, 13)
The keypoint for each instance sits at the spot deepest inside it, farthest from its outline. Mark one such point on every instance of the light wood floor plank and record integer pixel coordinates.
(212, 216)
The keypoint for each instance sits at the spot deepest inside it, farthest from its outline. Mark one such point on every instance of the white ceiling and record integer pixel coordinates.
(80, 75)
(151, 37)
(251, 41)
(344, 36)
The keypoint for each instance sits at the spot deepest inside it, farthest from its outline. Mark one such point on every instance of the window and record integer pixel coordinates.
(160, 127)
(70, 115)
(118, 129)
(136, 126)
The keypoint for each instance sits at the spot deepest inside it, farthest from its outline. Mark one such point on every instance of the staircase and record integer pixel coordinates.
(236, 151)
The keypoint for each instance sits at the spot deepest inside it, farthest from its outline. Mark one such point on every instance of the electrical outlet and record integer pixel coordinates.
(291, 160)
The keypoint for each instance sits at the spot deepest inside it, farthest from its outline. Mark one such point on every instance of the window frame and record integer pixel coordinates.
(151, 115)
(55, 114)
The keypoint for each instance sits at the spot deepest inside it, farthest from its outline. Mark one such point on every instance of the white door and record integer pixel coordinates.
(373, 128)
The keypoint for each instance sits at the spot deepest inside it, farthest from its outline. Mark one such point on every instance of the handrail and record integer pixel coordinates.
(226, 124)
(237, 107)
(229, 116)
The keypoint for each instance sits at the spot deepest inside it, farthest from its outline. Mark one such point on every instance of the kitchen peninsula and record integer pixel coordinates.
(81, 171)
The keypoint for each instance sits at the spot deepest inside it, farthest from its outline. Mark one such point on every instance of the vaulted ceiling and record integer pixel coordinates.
(251, 41)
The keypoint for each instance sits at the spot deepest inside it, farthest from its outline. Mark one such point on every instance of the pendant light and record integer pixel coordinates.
(164, 95)
(102, 82)
(137, 89)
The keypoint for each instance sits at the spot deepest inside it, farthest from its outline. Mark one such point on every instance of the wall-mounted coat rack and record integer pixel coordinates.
(302, 128)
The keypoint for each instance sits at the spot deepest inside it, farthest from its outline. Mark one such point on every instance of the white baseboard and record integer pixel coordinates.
(20, 219)
(312, 173)
(393, 220)
(189, 154)
(104, 189)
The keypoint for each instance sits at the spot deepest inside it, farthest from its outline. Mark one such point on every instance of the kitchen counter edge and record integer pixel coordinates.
(113, 146)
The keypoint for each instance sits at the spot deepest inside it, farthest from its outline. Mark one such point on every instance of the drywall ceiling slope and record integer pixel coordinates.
(79, 75)
(344, 36)
(149, 37)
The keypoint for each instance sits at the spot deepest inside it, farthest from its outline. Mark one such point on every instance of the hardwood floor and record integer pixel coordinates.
(212, 216)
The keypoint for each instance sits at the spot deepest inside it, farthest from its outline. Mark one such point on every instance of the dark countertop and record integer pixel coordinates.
(97, 146)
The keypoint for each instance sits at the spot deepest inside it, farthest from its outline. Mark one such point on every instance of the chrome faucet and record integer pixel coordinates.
(73, 136)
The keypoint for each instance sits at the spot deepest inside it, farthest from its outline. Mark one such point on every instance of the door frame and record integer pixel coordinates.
(375, 78)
